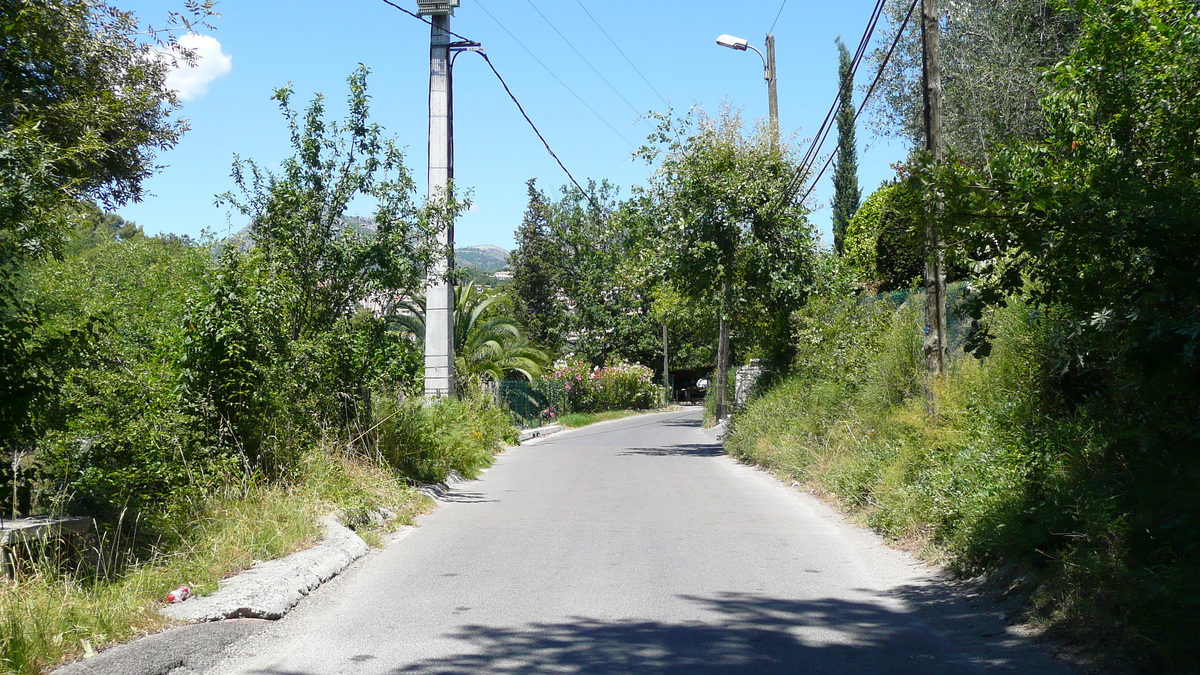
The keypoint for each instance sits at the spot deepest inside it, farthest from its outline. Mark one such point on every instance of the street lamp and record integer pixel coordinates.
(741, 45)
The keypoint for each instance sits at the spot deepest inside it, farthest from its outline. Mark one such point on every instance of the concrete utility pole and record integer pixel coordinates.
(439, 293)
(935, 276)
(772, 91)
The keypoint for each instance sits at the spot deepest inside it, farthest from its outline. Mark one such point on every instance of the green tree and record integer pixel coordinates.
(535, 265)
(727, 235)
(900, 238)
(993, 57)
(609, 304)
(861, 236)
(298, 218)
(282, 350)
(1099, 218)
(83, 111)
(846, 193)
(116, 429)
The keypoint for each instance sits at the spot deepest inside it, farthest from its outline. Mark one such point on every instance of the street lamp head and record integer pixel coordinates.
(733, 42)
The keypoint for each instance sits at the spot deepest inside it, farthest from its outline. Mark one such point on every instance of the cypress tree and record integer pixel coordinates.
(846, 193)
(534, 285)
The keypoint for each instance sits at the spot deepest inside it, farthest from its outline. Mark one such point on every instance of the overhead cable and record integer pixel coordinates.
(812, 155)
(552, 74)
(870, 89)
(535, 130)
(585, 60)
(781, 6)
(622, 52)
(514, 100)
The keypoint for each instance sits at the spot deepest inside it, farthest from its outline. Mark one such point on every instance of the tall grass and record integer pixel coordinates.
(1011, 477)
(50, 615)
(428, 441)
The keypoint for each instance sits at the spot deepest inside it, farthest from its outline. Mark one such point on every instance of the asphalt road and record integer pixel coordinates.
(634, 546)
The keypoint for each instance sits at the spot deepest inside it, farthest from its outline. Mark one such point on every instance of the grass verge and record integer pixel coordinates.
(48, 617)
(575, 420)
(1064, 500)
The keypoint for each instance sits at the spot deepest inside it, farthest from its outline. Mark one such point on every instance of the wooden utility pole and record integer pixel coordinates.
(935, 277)
(772, 91)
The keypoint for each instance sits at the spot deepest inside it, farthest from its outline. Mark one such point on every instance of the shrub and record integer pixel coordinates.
(861, 233)
(427, 441)
(619, 385)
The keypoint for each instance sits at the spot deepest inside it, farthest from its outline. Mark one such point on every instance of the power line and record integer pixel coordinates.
(556, 77)
(514, 100)
(870, 89)
(619, 50)
(781, 6)
(804, 168)
(810, 158)
(585, 60)
(535, 130)
(427, 21)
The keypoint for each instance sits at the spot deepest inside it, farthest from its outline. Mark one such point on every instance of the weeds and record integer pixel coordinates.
(1012, 475)
(49, 615)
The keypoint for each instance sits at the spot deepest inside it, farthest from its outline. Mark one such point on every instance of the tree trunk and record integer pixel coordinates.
(666, 362)
(723, 357)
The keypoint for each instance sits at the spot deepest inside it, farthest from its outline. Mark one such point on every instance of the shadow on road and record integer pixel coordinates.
(749, 634)
(686, 450)
(744, 634)
(465, 497)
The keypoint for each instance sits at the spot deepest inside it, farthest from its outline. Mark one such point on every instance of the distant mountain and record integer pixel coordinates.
(485, 258)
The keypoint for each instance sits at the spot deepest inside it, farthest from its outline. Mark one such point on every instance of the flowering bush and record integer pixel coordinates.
(617, 386)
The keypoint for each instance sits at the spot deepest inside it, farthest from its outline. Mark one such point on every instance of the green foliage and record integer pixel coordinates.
(993, 58)
(488, 344)
(900, 242)
(846, 193)
(619, 385)
(536, 264)
(1100, 218)
(721, 217)
(94, 226)
(1011, 475)
(118, 430)
(83, 110)
(725, 234)
(858, 248)
(281, 354)
(428, 441)
(298, 218)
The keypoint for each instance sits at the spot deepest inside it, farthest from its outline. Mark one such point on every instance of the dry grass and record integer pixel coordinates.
(48, 616)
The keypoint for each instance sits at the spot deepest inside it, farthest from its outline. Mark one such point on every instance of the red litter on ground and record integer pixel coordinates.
(179, 594)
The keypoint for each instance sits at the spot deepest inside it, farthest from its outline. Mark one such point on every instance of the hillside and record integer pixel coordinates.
(485, 258)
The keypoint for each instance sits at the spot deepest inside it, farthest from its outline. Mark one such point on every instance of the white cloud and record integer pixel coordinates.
(192, 80)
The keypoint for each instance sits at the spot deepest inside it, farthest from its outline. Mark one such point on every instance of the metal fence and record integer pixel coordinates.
(530, 405)
(957, 324)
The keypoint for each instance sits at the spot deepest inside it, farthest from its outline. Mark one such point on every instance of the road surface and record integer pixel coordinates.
(635, 546)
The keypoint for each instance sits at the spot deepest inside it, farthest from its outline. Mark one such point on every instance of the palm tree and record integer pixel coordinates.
(487, 345)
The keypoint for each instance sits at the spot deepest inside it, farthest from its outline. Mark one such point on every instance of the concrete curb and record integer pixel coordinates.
(269, 589)
(439, 490)
(540, 431)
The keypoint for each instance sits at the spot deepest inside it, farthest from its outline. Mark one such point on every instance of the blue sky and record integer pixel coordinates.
(264, 44)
